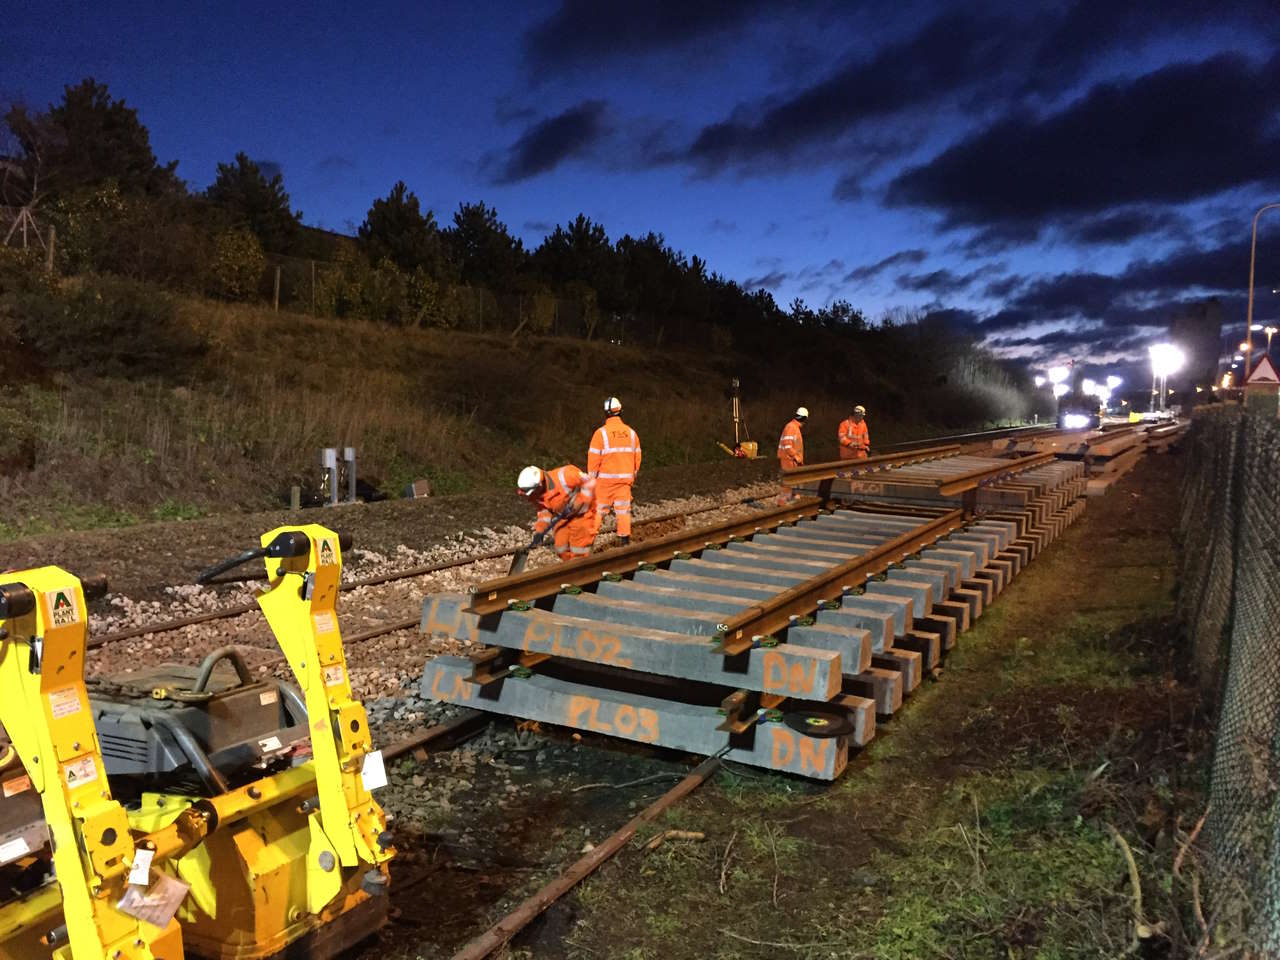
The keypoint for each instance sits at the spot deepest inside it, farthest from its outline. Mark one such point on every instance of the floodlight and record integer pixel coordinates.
(1058, 374)
(1089, 387)
(1075, 421)
(1165, 359)
(1238, 356)
(1060, 389)
(1040, 381)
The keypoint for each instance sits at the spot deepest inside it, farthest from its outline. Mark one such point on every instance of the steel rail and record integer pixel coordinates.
(519, 918)
(1029, 429)
(745, 628)
(975, 478)
(496, 595)
(838, 468)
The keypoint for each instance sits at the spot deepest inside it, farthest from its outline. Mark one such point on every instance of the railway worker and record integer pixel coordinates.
(855, 441)
(613, 459)
(791, 448)
(566, 503)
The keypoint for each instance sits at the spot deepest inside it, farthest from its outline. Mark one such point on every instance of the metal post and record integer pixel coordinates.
(329, 459)
(48, 259)
(349, 455)
(1253, 254)
(275, 294)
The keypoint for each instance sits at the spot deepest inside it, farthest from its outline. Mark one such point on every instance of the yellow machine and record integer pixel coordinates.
(77, 832)
(245, 828)
(296, 854)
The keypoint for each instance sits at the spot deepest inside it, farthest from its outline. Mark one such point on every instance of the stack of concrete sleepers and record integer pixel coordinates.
(642, 652)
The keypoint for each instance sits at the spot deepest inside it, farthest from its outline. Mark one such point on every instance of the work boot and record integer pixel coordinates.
(625, 541)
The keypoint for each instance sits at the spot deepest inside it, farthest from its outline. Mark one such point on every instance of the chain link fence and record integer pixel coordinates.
(1230, 603)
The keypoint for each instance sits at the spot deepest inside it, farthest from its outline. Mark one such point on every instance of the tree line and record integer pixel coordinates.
(85, 166)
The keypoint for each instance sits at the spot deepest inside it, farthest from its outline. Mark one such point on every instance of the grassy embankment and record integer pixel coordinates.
(978, 823)
(200, 407)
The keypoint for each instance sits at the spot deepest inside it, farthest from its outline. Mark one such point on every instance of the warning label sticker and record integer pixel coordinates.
(334, 675)
(63, 611)
(79, 772)
(324, 621)
(64, 702)
(267, 697)
(17, 785)
(328, 552)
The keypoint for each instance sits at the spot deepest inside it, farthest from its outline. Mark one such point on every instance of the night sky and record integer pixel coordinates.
(1061, 176)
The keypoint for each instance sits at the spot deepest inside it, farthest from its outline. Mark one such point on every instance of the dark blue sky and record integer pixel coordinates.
(1063, 175)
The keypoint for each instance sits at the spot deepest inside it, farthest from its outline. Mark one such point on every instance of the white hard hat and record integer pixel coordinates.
(802, 413)
(860, 409)
(530, 479)
(613, 405)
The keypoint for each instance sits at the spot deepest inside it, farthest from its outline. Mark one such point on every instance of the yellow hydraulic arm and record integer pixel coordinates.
(45, 709)
(304, 567)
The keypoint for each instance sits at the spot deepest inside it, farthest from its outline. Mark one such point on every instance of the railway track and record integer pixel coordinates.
(222, 613)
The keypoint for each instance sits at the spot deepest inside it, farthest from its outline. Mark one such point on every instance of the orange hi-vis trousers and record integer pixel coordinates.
(575, 536)
(615, 495)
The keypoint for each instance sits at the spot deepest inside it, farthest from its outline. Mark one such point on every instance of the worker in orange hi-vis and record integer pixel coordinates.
(791, 448)
(614, 460)
(855, 441)
(566, 502)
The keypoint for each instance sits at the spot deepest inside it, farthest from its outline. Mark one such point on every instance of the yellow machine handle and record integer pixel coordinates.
(304, 566)
(45, 710)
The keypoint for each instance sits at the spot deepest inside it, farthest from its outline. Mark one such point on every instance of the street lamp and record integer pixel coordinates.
(1253, 255)
(1165, 359)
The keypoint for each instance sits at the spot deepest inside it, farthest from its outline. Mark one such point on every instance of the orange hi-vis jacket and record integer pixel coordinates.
(564, 485)
(614, 453)
(855, 440)
(791, 445)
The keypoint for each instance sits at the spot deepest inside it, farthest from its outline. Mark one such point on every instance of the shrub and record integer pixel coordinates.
(237, 265)
(107, 325)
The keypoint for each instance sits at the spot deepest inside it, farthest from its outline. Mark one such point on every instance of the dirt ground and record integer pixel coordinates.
(977, 824)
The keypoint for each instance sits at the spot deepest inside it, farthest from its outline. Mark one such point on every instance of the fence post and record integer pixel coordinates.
(313, 288)
(48, 259)
(275, 293)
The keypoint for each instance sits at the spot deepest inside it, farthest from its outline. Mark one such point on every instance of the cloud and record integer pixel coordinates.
(586, 32)
(769, 281)
(1186, 131)
(722, 226)
(945, 283)
(949, 53)
(549, 142)
(335, 162)
(539, 226)
(860, 274)
(1121, 226)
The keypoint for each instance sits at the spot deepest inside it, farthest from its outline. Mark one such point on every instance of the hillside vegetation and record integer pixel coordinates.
(142, 376)
(120, 401)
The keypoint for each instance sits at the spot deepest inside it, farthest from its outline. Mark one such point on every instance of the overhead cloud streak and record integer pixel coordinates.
(547, 143)
(1182, 132)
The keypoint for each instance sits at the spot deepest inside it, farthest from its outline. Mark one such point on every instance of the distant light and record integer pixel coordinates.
(1166, 359)
(1244, 345)
(1238, 357)
(1103, 394)
(1226, 381)
(1113, 381)
(1234, 365)
(1075, 421)
(1060, 389)
(1257, 326)
(1040, 381)
(1270, 331)
(1088, 387)
(1057, 375)
(1199, 389)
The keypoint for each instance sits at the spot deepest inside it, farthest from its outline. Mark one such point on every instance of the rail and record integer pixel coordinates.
(975, 478)
(496, 595)
(838, 468)
(741, 632)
